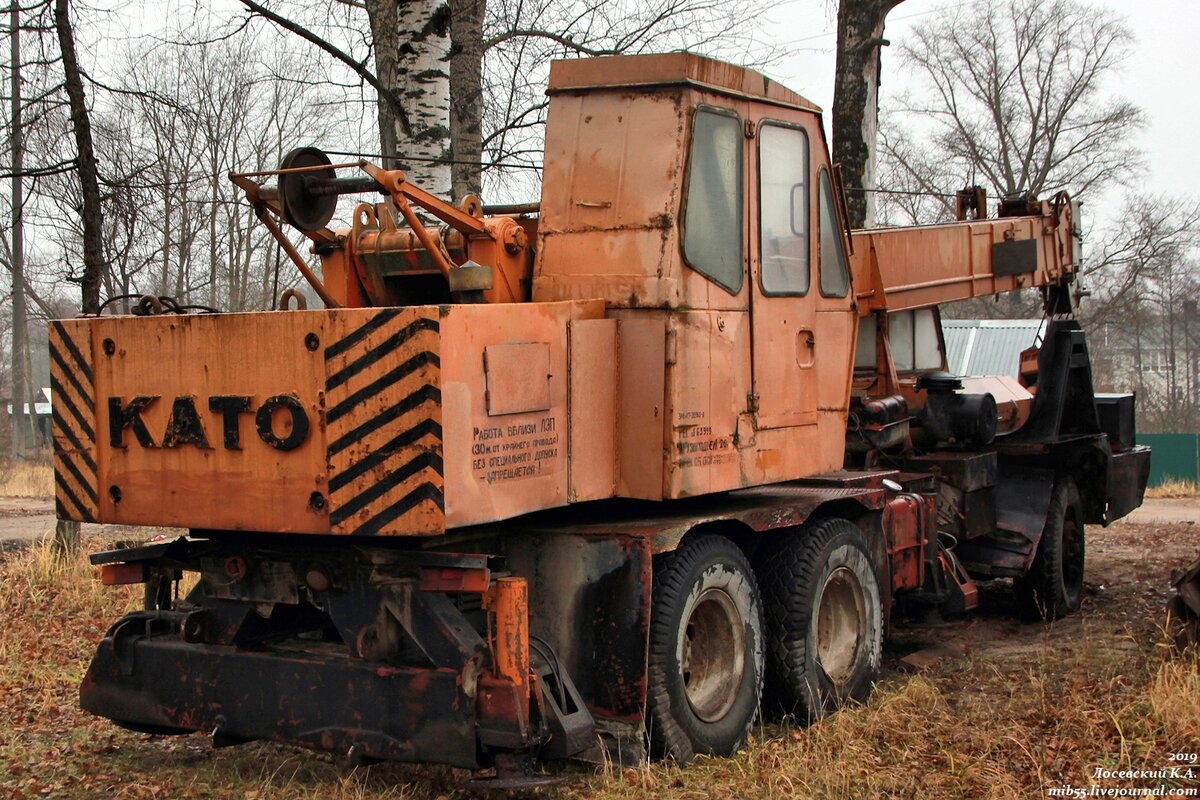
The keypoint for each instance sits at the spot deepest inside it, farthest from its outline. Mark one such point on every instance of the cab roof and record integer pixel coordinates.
(670, 69)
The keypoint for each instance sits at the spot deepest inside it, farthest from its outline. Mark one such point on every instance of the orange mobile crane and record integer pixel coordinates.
(605, 472)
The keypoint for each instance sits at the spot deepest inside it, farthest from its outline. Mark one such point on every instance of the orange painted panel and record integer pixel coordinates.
(708, 379)
(634, 72)
(604, 215)
(641, 350)
(213, 421)
(836, 332)
(73, 412)
(517, 377)
(610, 225)
(382, 414)
(498, 467)
(593, 403)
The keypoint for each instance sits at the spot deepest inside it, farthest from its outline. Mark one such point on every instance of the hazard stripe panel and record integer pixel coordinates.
(384, 426)
(73, 413)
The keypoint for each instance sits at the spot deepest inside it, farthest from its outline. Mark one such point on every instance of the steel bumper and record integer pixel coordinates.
(327, 702)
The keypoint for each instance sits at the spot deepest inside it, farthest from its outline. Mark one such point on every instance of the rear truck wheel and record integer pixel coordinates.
(1053, 587)
(823, 618)
(706, 655)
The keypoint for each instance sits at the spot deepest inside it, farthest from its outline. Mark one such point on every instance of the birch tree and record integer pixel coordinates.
(411, 45)
(493, 57)
(856, 100)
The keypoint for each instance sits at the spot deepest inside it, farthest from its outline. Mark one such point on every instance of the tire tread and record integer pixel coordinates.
(788, 567)
(672, 583)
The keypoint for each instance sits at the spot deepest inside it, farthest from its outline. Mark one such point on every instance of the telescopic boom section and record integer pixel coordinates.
(896, 269)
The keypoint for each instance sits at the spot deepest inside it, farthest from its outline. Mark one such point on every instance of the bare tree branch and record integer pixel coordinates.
(358, 67)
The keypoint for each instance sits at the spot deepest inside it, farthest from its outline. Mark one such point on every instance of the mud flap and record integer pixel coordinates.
(1022, 503)
(1128, 474)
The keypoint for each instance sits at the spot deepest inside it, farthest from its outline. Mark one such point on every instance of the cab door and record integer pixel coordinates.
(783, 300)
(836, 326)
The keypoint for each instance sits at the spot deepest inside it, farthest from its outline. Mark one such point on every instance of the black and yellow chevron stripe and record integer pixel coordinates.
(73, 409)
(383, 426)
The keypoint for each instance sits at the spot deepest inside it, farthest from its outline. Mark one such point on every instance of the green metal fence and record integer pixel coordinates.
(1176, 456)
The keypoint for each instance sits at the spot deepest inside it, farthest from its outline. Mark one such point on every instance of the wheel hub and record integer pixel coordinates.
(712, 654)
(840, 622)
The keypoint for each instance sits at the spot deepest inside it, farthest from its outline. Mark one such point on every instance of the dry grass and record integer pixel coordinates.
(1173, 488)
(979, 729)
(1023, 710)
(1175, 697)
(26, 478)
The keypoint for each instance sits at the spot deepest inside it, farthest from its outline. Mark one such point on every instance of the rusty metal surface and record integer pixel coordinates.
(589, 596)
(507, 600)
(414, 672)
(669, 69)
(902, 268)
(593, 425)
(759, 509)
(906, 522)
(640, 421)
(301, 698)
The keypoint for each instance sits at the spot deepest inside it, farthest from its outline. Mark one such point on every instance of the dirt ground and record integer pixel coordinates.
(25, 519)
(1126, 588)
(987, 706)
(31, 519)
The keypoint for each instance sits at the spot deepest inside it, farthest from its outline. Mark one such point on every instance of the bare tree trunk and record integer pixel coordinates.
(20, 327)
(411, 45)
(66, 534)
(856, 100)
(89, 171)
(214, 200)
(466, 96)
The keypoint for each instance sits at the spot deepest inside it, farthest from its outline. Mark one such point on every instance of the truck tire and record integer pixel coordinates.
(706, 655)
(823, 619)
(1053, 587)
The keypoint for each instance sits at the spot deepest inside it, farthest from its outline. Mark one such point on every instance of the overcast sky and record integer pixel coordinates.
(1162, 76)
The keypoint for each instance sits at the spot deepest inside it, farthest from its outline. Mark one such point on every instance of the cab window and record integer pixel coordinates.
(783, 210)
(913, 336)
(712, 221)
(835, 276)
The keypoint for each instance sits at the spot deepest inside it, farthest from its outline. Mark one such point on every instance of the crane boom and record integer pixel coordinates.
(897, 269)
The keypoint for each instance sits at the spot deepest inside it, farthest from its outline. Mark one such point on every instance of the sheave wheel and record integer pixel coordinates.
(706, 656)
(823, 618)
(1053, 587)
